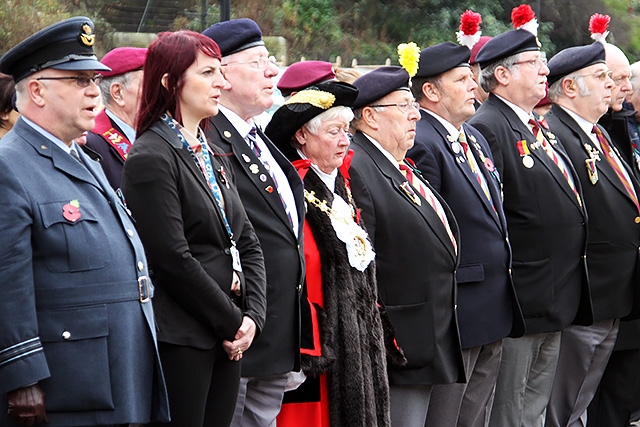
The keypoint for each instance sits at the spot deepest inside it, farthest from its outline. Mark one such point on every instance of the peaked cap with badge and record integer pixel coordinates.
(65, 45)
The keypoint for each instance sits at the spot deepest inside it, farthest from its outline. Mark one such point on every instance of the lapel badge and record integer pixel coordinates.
(408, 190)
(222, 176)
(472, 138)
(245, 158)
(226, 134)
(87, 37)
(269, 189)
(263, 177)
(451, 138)
(254, 168)
(455, 146)
(590, 163)
(71, 211)
(44, 147)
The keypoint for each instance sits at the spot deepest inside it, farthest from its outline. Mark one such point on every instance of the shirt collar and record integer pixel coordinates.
(455, 133)
(243, 127)
(522, 115)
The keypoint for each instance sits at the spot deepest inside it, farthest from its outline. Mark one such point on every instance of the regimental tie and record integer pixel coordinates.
(76, 156)
(554, 157)
(616, 165)
(428, 195)
(253, 143)
(471, 160)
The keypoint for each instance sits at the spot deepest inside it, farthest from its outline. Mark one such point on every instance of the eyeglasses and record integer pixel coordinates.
(81, 81)
(262, 63)
(405, 107)
(601, 75)
(535, 63)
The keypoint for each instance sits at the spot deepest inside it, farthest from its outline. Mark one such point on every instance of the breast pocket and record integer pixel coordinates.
(75, 345)
(72, 241)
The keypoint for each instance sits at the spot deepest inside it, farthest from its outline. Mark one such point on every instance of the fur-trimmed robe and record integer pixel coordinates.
(350, 369)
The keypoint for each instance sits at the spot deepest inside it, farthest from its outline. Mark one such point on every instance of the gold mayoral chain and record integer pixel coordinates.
(348, 231)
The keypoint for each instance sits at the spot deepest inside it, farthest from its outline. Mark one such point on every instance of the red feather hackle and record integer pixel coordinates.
(521, 15)
(470, 22)
(599, 23)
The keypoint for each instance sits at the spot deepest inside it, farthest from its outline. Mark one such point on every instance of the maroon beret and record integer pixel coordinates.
(123, 60)
(301, 75)
(476, 48)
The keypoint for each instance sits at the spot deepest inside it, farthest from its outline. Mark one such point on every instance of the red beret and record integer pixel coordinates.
(476, 48)
(124, 59)
(303, 74)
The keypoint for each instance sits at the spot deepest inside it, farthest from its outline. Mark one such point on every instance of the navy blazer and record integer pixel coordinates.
(72, 316)
(111, 161)
(547, 225)
(415, 268)
(277, 350)
(488, 309)
(614, 222)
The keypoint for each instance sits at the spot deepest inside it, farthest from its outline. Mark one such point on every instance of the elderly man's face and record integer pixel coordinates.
(397, 125)
(250, 74)
(70, 110)
(130, 93)
(619, 66)
(527, 80)
(595, 100)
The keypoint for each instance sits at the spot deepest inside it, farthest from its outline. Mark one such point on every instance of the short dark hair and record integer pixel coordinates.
(7, 94)
(171, 53)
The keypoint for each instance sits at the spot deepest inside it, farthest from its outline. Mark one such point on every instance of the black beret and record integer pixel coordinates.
(65, 45)
(442, 57)
(574, 58)
(235, 35)
(304, 106)
(507, 44)
(379, 83)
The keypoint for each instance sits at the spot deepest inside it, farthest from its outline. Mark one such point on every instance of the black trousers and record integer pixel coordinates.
(202, 385)
(618, 395)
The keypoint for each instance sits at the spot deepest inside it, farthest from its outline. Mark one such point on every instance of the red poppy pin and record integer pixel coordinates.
(71, 211)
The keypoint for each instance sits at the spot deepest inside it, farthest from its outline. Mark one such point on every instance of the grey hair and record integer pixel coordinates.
(339, 112)
(555, 90)
(105, 86)
(487, 78)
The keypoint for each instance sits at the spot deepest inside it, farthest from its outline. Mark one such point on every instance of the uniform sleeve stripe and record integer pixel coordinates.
(19, 350)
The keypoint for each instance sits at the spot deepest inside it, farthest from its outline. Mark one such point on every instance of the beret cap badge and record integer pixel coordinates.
(87, 37)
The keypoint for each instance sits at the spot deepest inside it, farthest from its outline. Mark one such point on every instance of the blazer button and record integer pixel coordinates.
(298, 288)
(227, 251)
(66, 335)
(509, 271)
(637, 220)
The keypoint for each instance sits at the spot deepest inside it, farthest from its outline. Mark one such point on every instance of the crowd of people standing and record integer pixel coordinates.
(418, 246)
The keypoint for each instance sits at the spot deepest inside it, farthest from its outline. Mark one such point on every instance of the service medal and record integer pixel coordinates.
(527, 161)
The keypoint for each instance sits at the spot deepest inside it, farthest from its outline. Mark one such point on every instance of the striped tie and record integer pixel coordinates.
(253, 143)
(554, 157)
(471, 160)
(428, 195)
(616, 165)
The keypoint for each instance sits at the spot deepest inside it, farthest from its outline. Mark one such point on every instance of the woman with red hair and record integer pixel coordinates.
(205, 259)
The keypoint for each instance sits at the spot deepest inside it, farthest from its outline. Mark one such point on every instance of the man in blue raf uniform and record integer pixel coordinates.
(546, 223)
(77, 333)
(456, 160)
(580, 87)
(410, 226)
